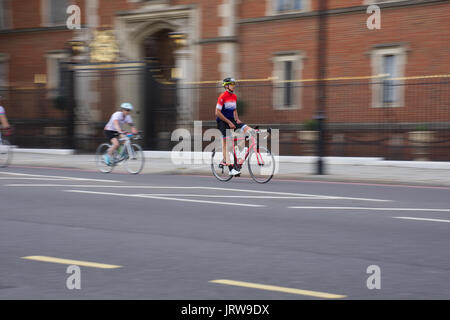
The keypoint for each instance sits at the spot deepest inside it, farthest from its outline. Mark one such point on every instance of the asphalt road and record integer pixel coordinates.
(193, 237)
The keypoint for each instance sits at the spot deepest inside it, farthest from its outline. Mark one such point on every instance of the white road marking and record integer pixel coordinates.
(230, 196)
(166, 198)
(296, 195)
(30, 178)
(374, 209)
(43, 177)
(422, 219)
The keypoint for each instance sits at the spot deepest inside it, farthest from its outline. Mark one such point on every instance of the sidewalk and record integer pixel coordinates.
(371, 170)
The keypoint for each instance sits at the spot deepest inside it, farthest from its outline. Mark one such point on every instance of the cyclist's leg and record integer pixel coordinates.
(114, 145)
(112, 137)
(223, 126)
(246, 128)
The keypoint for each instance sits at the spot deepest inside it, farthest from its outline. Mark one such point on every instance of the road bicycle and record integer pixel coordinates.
(129, 153)
(260, 161)
(6, 152)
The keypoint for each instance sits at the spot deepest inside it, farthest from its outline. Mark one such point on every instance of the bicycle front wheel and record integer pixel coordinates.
(5, 153)
(99, 159)
(261, 165)
(220, 171)
(135, 161)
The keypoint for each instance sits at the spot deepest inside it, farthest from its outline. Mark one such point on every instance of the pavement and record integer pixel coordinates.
(369, 170)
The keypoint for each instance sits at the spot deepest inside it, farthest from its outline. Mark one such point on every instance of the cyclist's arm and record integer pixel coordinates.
(222, 117)
(4, 121)
(130, 122)
(236, 117)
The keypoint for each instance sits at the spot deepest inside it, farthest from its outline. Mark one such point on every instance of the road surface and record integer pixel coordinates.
(153, 236)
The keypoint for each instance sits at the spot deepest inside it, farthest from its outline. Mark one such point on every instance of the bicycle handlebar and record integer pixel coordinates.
(134, 136)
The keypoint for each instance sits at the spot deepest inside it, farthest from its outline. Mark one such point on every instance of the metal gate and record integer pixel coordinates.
(99, 89)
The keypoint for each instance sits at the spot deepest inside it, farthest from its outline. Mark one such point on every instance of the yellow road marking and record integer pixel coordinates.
(72, 262)
(280, 289)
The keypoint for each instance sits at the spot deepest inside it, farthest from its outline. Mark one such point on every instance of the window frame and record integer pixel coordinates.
(4, 60)
(278, 92)
(378, 93)
(46, 20)
(272, 10)
(5, 7)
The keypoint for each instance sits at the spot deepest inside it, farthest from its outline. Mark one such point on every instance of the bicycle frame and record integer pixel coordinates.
(126, 149)
(253, 146)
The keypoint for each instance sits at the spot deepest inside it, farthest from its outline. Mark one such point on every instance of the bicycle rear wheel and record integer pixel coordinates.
(5, 153)
(99, 161)
(220, 171)
(135, 162)
(261, 165)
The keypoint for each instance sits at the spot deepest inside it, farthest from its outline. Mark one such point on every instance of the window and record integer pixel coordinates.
(4, 14)
(54, 12)
(288, 6)
(388, 63)
(286, 91)
(3, 70)
(2, 74)
(388, 89)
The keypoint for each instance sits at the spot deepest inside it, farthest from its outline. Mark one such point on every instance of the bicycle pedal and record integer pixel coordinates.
(238, 175)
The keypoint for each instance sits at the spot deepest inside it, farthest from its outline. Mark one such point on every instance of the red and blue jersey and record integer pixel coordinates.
(226, 103)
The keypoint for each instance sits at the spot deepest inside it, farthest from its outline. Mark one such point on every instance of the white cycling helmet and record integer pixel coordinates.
(127, 106)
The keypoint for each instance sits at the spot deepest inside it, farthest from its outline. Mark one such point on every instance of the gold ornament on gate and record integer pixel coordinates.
(104, 47)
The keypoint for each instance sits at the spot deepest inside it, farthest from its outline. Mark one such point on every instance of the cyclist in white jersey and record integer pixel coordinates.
(113, 128)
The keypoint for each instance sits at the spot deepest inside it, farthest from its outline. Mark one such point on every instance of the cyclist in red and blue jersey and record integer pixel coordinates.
(227, 118)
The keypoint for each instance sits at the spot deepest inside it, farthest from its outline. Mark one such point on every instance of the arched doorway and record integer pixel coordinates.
(161, 95)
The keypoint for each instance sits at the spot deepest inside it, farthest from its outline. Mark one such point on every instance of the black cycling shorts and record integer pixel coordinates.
(223, 126)
(111, 134)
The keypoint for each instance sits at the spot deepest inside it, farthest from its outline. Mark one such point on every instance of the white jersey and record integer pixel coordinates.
(121, 118)
(2, 110)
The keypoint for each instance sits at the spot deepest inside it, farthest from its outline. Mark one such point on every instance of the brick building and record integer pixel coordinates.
(271, 45)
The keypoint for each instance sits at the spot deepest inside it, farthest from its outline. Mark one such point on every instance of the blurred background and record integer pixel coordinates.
(319, 71)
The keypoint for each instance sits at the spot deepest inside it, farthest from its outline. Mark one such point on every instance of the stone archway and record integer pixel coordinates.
(143, 36)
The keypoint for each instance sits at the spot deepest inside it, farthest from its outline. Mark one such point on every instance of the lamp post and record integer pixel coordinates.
(321, 83)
